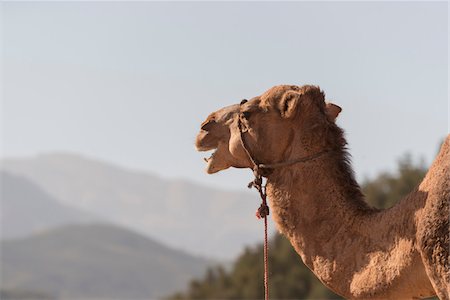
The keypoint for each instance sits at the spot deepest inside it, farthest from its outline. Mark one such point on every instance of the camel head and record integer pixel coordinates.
(284, 121)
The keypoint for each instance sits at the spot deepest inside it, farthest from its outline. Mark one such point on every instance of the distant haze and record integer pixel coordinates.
(26, 209)
(205, 221)
(130, 82)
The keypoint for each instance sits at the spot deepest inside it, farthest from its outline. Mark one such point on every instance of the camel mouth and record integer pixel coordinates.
(209, 159)
(214, 136)
(205, 143)
(211, 163)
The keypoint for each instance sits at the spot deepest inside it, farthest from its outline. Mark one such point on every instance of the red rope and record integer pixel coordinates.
(266, 262)
(263, 212)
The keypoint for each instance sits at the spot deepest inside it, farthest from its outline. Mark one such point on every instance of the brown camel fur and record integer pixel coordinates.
(357, 251)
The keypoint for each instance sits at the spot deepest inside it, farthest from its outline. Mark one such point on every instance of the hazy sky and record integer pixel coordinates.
(130, 83)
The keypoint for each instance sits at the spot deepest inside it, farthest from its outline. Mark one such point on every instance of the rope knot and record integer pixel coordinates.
(263, 211)
(257, 182)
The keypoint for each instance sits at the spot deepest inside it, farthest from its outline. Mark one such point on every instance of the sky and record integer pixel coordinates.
(130, 82)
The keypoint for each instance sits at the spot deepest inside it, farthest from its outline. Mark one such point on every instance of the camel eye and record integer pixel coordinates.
(246, 115)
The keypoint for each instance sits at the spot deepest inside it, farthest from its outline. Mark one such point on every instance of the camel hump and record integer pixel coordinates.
(437, 179)
(443, 157)
(433, 228)
(446, 141)
(446, 144)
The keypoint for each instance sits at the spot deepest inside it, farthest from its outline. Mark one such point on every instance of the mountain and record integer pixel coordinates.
(27, 209)
(95, 261)
(198, 219)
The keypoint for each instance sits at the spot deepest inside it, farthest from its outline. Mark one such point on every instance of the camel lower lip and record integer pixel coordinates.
(209, 158)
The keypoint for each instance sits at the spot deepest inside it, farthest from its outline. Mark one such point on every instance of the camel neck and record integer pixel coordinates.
(316, 193)
(318, 205)
(345, 242)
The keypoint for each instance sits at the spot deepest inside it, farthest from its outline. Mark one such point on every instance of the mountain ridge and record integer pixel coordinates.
(27, 209)
(96, 261)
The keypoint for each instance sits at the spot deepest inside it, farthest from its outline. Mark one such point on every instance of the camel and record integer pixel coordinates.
(357, 251)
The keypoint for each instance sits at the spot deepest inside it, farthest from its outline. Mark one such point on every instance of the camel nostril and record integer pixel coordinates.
(243, 101)
(207, 126)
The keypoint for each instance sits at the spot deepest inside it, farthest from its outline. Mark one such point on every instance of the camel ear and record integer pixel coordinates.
(289, 104)
(332, 111)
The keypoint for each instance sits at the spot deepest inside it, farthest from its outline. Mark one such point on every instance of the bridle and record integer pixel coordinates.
(261, 170)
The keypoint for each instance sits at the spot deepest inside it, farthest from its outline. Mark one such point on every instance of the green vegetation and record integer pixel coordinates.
(289, 277)
(385, 190)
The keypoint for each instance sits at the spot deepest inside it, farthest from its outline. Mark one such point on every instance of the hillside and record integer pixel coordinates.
(27, 209)
(95, 261)
(201, 220)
